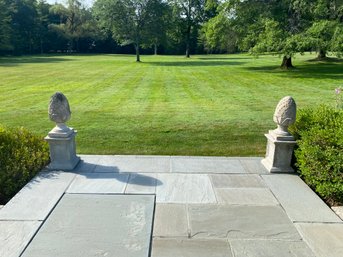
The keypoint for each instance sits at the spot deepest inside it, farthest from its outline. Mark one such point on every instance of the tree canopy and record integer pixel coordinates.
(282, 27)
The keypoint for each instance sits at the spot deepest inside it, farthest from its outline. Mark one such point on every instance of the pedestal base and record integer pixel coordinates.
(279, 153)
(63, 152)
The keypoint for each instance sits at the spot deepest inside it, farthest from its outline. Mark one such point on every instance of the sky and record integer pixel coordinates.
(88, 3)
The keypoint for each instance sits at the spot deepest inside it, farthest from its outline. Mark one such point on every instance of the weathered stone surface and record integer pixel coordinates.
(339, 211)
(185, 188)
(104, 183)
(240, 222)
(59, 110)
(253, 165)
(206, 165)
(298, 200)
(326, 240)
(63, 152)
(15, 235)
(37, 198)
(136, 164)
(285, 115)
(100, 225)
(270, 248)
(87, 163)
(237, 181)
(144, 183)
(190, 248)
(170, 220)
(245, 196)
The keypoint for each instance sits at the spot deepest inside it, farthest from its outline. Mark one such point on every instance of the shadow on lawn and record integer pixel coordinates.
(15, 61)
(196, 63)
(314, 70)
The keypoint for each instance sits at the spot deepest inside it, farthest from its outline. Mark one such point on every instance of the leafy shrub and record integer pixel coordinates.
(319, 155)
(22, 155)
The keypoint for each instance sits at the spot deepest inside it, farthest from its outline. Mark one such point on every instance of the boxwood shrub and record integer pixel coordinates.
(22, 155)
(319, 154)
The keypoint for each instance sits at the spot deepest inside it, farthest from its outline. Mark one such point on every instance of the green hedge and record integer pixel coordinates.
(319, 154)
(22, 155)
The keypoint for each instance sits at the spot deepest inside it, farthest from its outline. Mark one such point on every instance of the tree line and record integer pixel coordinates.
(283, 27)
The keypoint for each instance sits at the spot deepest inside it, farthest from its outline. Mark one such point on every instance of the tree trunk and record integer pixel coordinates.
(321, 54)
(137, 53)
(188, 39)
(155, 49)
(287, 63)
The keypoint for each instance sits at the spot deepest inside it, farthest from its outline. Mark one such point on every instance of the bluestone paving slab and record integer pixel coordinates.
(184, 188)
(96, 225)
(254, 166)
(84, 166)
(15, 235)
(339, 211)
(144, 183)
(270, 248)
(135, 164)
(299, 201)
(38, 197)
(206, 165)
(326, 240)
(237, 181)
(240, 222)
(170, 220)
(190, 248)
(102, 183)
(245, 196)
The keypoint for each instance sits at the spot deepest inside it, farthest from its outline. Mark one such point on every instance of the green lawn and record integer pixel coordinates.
(167, 105)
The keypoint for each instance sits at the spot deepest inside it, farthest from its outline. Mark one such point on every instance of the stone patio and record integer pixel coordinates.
(166, 206)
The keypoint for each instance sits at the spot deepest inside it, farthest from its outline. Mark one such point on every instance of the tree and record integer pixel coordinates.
(268, 26)
(327, 20)
(126, 19)
(155, 32)
(23, 28)
(188, 16)
(72, 22)
(5, 27)
(218, 35)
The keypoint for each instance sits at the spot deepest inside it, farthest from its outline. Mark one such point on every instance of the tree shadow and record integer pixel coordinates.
(87, 169)
(195, 63)
(222, 58)
(16, 61)
(311, 69)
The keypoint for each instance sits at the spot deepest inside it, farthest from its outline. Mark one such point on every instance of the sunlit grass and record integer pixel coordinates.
(168, 105)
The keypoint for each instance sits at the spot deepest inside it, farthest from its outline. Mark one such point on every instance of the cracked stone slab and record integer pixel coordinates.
(133, 164)
(190, 248)
(103, 225)
(206, 165)
(15, 235)
(241, 222)
(245, 196)
(299, 201)
(254, 166)
(324, 239)
(270, 248)
(101, 183)
(38, 197)
(144, 183)
(185, 188)
(170, 220)
(237, 181)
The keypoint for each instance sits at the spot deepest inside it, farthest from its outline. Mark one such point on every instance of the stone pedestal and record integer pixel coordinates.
(279, 153)
(62, 149)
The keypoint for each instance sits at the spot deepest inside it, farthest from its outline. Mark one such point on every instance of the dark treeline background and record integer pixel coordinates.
(284, 27)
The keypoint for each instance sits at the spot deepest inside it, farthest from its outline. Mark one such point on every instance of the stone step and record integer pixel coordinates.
(84, 225)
